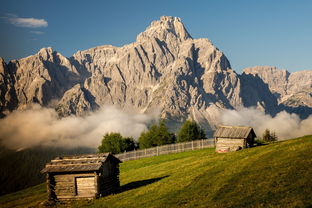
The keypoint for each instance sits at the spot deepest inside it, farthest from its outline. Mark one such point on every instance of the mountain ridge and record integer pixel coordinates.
(164, 69)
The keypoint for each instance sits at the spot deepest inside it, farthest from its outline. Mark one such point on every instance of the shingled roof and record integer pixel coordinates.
(81, 163)
(235, 132)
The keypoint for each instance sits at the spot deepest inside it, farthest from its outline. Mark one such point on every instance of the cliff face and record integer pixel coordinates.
(8, 99)
(293, 91)
(40, 78)
(275, 79)
(165, 69)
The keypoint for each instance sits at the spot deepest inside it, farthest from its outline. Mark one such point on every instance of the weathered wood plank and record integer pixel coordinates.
(85, 186)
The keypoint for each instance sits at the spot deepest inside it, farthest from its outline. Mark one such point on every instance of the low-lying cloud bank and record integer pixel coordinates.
(42, 126)
(285, 125)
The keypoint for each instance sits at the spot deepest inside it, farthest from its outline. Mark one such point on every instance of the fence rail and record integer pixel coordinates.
(166, 149)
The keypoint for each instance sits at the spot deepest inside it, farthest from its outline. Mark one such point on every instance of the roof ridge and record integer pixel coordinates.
(235, 126)
(233, 131)
(83, 156)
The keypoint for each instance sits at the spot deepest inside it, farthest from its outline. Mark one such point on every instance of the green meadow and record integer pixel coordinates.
(273, 175)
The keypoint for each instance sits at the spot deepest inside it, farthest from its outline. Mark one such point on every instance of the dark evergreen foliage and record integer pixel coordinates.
(189, 131)
(115, 143)
(269, 136)
(157, 135)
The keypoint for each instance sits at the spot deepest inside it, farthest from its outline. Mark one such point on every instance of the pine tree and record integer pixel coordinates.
(189, 131)
(115, 143)
(157, 135)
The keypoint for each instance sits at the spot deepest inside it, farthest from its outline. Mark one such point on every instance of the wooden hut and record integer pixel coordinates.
(82, 177)
(233, 138)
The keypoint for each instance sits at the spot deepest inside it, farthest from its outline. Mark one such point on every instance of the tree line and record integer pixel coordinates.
(157, 135)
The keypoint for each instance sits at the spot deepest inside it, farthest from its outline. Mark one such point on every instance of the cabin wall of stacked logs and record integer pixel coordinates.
(63, 186)
(233, 144)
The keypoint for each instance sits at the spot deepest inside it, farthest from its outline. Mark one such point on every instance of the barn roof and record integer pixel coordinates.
(234, 132)
(80, 163)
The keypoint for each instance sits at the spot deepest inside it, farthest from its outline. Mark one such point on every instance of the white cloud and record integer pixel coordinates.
(42, 126)
(37, 32)
(284, 124)
(26, 22)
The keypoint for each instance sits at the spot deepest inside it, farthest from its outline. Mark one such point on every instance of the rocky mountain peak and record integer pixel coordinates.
(275, 78)
(1, 60)
(164, 29)
(293, 91)
(2, 65)
(166, 70)
(45, 53)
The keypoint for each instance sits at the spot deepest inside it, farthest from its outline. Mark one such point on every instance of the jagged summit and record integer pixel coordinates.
(45, 53)
(165, 69)
(165, 28)
(47, 49)
(289, 88)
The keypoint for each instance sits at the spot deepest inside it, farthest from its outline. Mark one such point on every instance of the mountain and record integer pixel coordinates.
(40, 78)
(293, 91)
(164, 70)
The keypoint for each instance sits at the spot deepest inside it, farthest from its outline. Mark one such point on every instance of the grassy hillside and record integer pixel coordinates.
(19, 170)
(275, 175)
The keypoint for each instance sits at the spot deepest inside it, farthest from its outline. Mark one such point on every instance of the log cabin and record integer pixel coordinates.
(233, 138)
(82, 177)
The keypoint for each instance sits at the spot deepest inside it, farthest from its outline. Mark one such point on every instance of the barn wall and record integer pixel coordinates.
(71, 186)
(229, 144)
(109, 182)
(250, 140)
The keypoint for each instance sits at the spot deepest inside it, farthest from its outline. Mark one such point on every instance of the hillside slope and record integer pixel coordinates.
(29, 162)
(276, 175)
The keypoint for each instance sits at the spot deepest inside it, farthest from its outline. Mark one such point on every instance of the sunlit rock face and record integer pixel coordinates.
(40, 78)
(165, 70)
(293, 91)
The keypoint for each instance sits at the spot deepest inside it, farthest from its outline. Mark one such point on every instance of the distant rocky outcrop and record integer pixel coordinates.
(293, 91)
(40, 78)
(165, 69)
(8, 99)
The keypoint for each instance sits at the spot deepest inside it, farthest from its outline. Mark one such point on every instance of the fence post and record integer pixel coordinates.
(177, 147)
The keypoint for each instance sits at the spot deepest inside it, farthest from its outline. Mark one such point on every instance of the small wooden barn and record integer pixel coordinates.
(82, 177)
(233, 138)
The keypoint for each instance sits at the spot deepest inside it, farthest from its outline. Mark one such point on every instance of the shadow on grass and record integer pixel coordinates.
(137, 184)
(260, 144)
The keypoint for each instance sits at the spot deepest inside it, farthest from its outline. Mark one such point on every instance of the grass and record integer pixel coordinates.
(274, 175)
(30, 197)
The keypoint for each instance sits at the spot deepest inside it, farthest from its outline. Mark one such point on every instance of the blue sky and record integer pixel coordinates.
(250, 32)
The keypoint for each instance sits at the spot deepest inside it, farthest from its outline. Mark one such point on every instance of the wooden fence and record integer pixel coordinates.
(166, 149)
